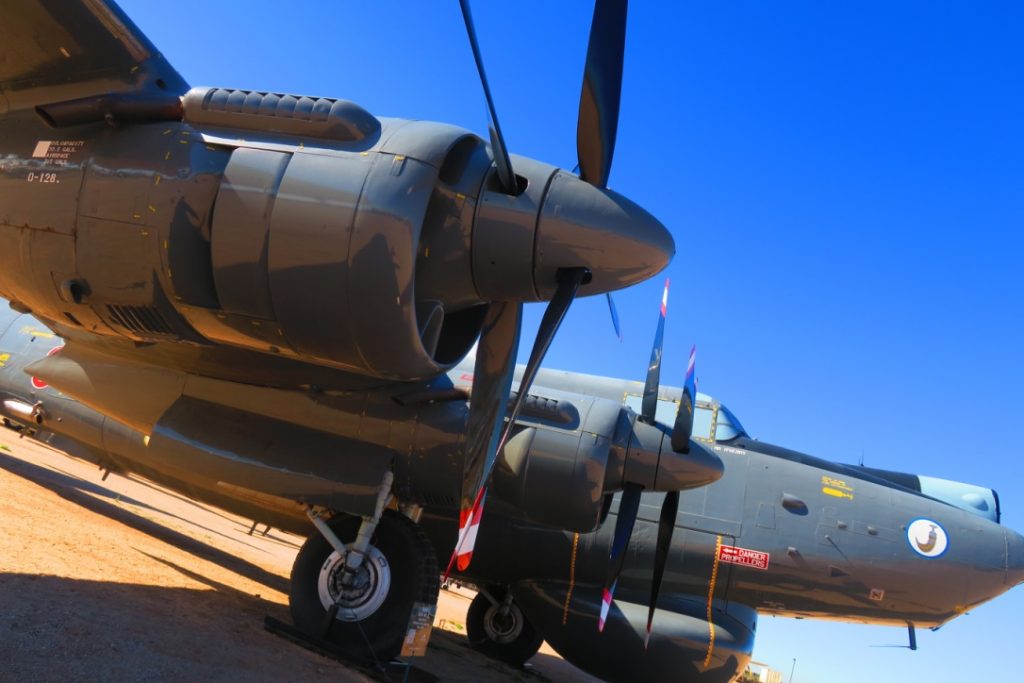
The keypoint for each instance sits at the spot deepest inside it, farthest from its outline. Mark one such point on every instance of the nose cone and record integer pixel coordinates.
(582, 225)
(1014, 558)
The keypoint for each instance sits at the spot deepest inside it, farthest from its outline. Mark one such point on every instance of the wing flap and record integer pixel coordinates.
(60, 50)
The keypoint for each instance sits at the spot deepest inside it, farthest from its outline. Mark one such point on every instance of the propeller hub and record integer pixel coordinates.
(681, 471)
(521, 242)
(583, 225)
(650, 462)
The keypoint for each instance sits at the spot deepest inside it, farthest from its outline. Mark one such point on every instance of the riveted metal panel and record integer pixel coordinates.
(308, 254)
(41, 174)
(128, 392)
(272, 457)
(386, 231)
(504, 236)
(117, 260)
(241, 230)
(424, 141)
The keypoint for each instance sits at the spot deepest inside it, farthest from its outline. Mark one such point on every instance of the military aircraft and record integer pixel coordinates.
(265, 299)
(274, 286)
(779, 533)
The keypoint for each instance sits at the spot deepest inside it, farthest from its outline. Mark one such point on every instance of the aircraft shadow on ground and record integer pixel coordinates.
(130, 632)
(82, 493)
(58, 628)
(35, 622)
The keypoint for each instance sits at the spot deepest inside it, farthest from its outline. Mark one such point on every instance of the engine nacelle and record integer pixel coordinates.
(313, 256)
(315, 252)
(575, 449)
(554, 473)
(299, 227)
(317, 233)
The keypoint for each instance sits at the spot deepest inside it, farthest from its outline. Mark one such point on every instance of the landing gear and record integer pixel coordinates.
(363, 611)
(497, 627)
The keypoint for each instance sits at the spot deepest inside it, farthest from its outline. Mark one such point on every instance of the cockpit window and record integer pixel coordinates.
(711, 420)
(728, 426)
(703, 423)
(664, 414)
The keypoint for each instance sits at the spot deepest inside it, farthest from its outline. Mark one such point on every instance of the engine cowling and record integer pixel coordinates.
(575, 450)
(554, 473)
(328, 252)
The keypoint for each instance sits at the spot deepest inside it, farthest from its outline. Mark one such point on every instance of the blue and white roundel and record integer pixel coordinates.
(927, 538)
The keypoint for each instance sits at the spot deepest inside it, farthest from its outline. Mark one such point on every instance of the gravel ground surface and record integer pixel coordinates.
(121, 580)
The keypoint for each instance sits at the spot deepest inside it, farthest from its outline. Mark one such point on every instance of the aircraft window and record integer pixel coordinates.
(703, 420)
(664, 414)
(728, 426)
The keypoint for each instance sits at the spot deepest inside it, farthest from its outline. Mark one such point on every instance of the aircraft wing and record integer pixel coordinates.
(54, 51)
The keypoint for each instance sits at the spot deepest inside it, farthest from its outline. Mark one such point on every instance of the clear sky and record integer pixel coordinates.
(844, 184)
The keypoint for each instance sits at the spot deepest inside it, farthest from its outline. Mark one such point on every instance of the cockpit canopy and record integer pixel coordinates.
(712, 421)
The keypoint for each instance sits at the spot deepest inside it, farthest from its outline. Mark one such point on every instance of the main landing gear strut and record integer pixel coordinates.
(365, 585)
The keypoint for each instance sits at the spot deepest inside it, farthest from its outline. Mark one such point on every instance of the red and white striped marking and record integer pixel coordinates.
(469, 525)
(606, 605)
(664, 300)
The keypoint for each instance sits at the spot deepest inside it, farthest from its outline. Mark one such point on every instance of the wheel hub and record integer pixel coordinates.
(503, 625)
(359, 593)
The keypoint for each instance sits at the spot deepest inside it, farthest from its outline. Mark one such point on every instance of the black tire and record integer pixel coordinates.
(521, 640)
(415, 577)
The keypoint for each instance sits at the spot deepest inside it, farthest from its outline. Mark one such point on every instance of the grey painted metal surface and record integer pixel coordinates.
(820, 540)
(250, 284)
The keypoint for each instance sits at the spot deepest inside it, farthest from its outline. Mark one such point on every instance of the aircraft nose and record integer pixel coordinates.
(582, 225)
(1014, 558)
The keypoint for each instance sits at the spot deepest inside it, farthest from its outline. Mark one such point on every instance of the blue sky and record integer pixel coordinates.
(844, 184)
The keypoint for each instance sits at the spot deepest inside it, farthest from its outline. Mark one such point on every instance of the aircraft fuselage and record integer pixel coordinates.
(783, 533)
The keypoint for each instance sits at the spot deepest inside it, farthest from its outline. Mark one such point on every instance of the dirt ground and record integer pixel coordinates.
(121, 580)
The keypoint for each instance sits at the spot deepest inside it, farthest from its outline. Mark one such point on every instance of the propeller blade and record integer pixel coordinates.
(481, 440)
(615, 315)
(683, 427)
(469, 524)
(650, 400)
(629, 506)
(498, 148)
(488, 401)
(666, 525)
(602, 88)
(569, 281)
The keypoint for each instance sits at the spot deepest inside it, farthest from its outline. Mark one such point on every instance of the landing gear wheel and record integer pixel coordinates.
(399, 569)
(503, 635)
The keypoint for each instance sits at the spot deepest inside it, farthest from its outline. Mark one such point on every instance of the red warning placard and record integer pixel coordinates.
(744, 557)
